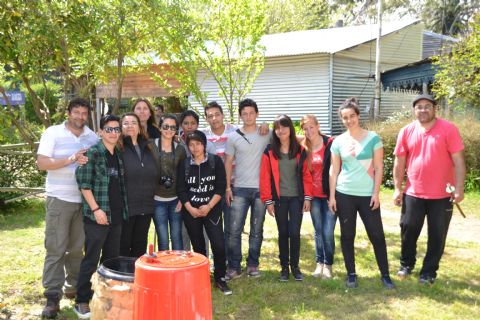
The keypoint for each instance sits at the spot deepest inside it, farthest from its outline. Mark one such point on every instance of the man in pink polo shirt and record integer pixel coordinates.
(430, 151)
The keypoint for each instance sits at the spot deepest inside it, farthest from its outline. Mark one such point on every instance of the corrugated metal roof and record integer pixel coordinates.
(326, 40)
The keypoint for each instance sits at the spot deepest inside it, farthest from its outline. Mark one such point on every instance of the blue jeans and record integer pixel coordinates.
(324, 224)
(164, 216)
(244, 199)
(226, 222)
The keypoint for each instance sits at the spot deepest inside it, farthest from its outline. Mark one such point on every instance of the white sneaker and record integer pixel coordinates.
(327, 272)
(318, 271)
(82, 310)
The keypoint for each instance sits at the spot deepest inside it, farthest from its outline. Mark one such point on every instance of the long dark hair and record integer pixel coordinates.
(294, 147)
(151, 119)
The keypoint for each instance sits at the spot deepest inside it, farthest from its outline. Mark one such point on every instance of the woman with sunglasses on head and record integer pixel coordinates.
(317, 150)
(355, 176)
(104, 204)
(141, 179)
(286, 189)
(167, 217)
(144, 110)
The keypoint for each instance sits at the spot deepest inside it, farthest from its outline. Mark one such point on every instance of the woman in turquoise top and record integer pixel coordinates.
(355, 177)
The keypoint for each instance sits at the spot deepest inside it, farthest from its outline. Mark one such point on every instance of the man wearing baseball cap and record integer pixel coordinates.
(430, 152)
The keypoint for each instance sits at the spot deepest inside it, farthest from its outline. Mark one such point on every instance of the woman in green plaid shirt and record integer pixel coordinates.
(101, 181)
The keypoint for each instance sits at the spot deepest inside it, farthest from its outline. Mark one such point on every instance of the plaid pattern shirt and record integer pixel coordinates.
(94, 176)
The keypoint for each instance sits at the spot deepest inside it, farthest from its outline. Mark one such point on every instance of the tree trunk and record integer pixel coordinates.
(119, 79)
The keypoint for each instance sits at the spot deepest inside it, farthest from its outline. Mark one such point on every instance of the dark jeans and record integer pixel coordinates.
(324, 222)
(134, 237)
(439, 214)
(213, 224)
(104, 239)
(289, 215)
(243, 200)
(347, 207)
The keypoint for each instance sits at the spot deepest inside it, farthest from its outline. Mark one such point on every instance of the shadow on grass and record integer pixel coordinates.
(267, 298)
(22, 215)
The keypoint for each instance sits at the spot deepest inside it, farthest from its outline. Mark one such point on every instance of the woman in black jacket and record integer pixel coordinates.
(201, 183)
(141, 179)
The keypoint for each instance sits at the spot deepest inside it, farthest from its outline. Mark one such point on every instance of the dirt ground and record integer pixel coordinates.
(461, 229)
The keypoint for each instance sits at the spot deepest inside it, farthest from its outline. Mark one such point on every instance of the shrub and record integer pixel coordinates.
(19, 170)
(469, 129)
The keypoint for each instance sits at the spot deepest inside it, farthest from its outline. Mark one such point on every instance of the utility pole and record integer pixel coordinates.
(378, 85)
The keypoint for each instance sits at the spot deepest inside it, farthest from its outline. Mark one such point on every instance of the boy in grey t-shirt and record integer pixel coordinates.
(245, 146)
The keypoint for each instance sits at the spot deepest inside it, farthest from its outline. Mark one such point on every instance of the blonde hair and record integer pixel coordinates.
(306, 143)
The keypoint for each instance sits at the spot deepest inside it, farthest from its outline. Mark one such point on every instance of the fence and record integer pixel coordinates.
(19, 178)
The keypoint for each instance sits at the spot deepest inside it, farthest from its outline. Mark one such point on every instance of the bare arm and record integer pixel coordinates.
(333, 175)
(228, 172)
(398, 175)
(459, 166)
(378, 175)
(48, 163)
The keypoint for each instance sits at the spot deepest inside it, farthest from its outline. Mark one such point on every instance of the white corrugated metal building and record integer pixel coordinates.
(314, 71)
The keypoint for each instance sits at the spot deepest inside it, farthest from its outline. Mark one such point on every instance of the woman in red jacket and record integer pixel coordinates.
(282, 164)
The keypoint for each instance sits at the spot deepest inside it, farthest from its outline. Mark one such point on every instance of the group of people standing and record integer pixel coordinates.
(102, 194)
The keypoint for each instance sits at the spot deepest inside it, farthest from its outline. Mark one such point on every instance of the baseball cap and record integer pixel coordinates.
(424, 96)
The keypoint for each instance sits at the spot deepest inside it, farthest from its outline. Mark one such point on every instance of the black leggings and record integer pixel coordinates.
(213, 224)
(347, 207)
(289, 215)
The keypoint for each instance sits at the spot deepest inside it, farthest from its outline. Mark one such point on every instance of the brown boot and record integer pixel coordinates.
(51, 309)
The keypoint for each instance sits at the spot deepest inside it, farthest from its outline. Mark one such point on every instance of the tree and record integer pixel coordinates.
(29, 47)
(217, 39)
(449, 17)
(458, 78)
(119, 39)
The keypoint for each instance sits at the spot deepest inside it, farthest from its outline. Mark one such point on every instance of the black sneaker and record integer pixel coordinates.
(387, 282)
(425, 279)
(352, 281)
(284, 274)
(223, 287)
(404, 272)
(297, 274)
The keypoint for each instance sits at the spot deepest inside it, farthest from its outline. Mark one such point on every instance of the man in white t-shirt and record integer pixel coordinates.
(245, 146)
(61, 150)
(217, 135)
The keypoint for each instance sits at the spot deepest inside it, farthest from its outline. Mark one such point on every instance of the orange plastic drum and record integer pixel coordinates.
(172, 285)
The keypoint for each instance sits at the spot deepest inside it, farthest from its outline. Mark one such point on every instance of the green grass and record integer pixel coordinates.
(456, 294)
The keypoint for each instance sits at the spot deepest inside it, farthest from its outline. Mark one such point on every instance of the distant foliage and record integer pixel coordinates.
(295, 15)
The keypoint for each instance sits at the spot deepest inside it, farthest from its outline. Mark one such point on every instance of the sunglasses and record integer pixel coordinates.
(112, 129)
(167, 127)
